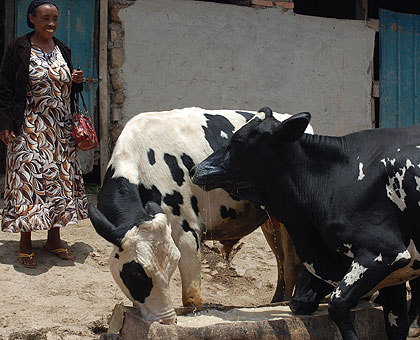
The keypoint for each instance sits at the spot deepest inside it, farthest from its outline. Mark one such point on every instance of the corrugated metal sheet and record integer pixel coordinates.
(399, 43)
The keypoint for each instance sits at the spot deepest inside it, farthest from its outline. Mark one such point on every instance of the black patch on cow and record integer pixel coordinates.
(416, 265)
(117, 256)
(227, 212)
(120, 206)
(213, 131)
(174, 201)
(176, 172)
(151, 156)
(194, 204)
(247, 115)
(235, 198)
(137, 281)
(187, 161)
(152, 194)
(186, 227)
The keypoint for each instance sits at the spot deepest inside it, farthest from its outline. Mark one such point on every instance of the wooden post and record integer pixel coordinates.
(103, 88)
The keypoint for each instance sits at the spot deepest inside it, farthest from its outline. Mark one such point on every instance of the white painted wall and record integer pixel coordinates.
(181, 53)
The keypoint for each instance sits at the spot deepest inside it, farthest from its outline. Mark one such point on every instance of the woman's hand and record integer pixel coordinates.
(77, 76)
(6, 136)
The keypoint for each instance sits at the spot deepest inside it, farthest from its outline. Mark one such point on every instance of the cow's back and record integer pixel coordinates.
(156, 150)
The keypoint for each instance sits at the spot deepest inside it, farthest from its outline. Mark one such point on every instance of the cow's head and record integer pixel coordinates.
(143, 261)
(247, 158)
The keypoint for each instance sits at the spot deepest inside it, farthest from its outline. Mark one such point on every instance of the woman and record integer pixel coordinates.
(44, 184)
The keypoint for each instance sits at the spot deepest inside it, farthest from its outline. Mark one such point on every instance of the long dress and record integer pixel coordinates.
(44, 183)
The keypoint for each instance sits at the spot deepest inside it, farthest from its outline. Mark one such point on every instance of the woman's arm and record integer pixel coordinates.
(7, 89)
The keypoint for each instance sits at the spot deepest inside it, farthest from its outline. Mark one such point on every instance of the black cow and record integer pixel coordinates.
(351, 205)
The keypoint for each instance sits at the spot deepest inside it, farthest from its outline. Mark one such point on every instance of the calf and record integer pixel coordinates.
(154, 155)
(351, 205)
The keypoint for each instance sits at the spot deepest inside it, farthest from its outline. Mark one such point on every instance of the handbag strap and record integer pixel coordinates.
(77, 94)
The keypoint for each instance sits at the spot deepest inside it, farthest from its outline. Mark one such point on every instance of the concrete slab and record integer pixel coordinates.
(269, 322)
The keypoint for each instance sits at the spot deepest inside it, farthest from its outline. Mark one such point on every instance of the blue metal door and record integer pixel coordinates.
(77, 29)
(399, 69)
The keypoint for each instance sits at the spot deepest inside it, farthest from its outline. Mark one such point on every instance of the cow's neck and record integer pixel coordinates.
(302, 171)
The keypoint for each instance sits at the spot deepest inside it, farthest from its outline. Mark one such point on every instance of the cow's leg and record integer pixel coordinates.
(287, 261)
(272, 233)
(364, 275)
(189, 266)
(291, 263)
(394, 304)
(415, 300)
(308, 293)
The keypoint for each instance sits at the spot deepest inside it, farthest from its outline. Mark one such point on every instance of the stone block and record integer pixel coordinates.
(367, 318)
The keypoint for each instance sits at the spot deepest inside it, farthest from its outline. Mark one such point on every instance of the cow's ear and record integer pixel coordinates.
(293, 128)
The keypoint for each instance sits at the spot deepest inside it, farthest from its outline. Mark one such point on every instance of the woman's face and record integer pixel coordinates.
(45, 20)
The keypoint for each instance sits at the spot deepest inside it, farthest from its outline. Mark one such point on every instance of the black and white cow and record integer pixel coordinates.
(152, 159)
(351, 205)
(145, 255)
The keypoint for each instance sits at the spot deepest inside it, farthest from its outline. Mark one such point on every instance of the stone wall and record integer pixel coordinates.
(116, 59)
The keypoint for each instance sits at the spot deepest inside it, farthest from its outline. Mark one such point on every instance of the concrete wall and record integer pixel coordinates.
(181, 53)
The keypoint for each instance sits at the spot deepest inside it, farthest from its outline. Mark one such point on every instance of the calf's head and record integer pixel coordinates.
(248, 157)
(143, 260)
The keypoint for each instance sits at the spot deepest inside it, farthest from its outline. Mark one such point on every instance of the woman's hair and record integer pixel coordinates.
(32, 9)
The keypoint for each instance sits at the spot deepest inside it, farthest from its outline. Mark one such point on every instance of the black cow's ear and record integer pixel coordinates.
(293, 128)
(152, 208)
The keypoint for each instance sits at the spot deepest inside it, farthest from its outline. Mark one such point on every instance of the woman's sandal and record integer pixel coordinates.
(60, 252)
(30, 256)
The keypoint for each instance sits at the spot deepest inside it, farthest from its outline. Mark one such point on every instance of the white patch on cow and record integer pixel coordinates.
(311, 269)
(383, 161)
(355, 274)
(349, 253)
(417, 179)
(392, 319)
(378, 258)
(408, 164)
(223, 134)
(394, 188)
(361, 174)
(336, 293)
(404, 255)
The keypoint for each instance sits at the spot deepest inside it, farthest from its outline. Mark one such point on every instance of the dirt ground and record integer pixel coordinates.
(62, 300)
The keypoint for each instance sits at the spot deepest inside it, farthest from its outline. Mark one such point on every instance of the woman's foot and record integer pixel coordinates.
(56, 246)
(26, 255)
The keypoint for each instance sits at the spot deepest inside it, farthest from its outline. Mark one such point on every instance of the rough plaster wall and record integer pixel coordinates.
(181, 53)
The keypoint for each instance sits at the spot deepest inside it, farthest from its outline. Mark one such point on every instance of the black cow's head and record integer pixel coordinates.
(246, 158)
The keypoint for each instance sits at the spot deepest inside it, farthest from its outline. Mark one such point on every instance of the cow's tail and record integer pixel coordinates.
(104, 227)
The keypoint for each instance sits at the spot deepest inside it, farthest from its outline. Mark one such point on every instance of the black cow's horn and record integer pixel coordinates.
(104, 227)
(267, 111)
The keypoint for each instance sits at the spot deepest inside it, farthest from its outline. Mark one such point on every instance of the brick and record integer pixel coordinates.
(264, 3)
(284, 4)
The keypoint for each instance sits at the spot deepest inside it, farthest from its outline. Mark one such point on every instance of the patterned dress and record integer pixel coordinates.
(44, 184)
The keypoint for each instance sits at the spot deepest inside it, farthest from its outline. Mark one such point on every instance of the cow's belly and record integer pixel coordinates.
(409, 272)
(398, 277)
(226, 219)
(248, 218)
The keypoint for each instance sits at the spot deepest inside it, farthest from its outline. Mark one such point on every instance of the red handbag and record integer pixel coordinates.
(83, 128)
